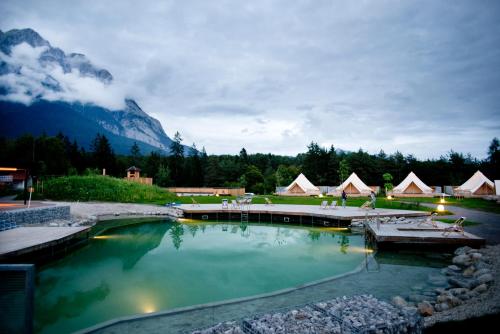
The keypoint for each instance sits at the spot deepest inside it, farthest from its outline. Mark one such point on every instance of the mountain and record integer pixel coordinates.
(45, 90)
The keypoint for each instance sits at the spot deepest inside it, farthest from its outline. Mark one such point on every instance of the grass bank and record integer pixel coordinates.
(102, 188)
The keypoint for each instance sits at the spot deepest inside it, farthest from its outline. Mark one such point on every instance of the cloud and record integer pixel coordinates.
(419, 77)
(32, 79)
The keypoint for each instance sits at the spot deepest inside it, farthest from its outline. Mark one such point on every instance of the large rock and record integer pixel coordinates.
(425, 309)
(469, 271)
(462, 250)
(476, 256)
(486, 278)
(399, 301)
(442, 307)
(462, 260)
(481, 272)
(481, 288)
(462, 283)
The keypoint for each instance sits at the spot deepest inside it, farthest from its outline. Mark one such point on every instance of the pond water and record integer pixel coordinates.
(160, 265)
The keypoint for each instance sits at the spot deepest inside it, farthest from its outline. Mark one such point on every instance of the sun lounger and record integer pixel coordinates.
(333, 205)
(234, 204)
(457, 227)
(429, 221)
(268, 201)
(225, 204)
(324, 205)
(366, 205)
(194, 202)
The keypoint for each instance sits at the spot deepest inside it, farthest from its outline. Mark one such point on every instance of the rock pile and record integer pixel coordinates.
(230, 327)
(304, 320)
(358, 314)
(468, 277)
(367, 314)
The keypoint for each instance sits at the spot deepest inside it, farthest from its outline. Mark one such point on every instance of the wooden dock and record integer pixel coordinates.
(399, 235)
(24, 240)
(293, 214)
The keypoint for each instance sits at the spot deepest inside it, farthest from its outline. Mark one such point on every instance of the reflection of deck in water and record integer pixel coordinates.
(292, 214)
(395, 235)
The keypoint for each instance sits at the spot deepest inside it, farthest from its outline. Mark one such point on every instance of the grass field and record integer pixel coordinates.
(382, 202)
(102, 188)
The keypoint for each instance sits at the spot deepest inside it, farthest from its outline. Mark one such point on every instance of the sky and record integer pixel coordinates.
(421, 77)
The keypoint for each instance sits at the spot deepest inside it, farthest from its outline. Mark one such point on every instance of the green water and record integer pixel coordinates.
(162, 265)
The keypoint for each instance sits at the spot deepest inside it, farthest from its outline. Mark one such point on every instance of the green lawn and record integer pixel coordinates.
(101, 188)
(451, 221)
(381, 201)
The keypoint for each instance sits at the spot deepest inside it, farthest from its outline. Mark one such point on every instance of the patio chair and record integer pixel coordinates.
(366, 205)
(194, 202)
(457, 227)
(234, 204)
(324, 205)
(333, 205)
(225, 204)
(268, 201)
(429, 220)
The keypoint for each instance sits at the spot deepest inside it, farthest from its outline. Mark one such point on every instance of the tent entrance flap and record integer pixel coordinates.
(351, 189)
(485, 189)
(296, 189)
(413, 189)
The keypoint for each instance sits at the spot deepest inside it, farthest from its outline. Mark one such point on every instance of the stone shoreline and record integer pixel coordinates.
(484, 298)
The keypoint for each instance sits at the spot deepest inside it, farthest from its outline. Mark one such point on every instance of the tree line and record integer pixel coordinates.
(259, 173)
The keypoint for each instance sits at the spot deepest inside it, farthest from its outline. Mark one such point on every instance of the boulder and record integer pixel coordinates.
(462, 250)
(469, 271)
(485, 278)
(476, 256)
(458, 291)
(480, 288)
(462, 260)
(481, 272)
(442, 307)
(463, 282)
(454, 268)
(399, 301)
(425, 309)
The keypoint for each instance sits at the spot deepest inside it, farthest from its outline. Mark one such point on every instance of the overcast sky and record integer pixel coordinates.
(421, 77)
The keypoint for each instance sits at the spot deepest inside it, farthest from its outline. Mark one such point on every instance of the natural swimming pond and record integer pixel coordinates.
(159, 265)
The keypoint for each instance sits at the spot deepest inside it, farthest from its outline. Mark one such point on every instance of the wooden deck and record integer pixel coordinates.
(414, 234)
(347, 213)
(24, 240)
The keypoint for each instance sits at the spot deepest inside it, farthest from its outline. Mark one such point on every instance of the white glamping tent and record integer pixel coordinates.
(353, 186)
(477, 185)
(301, 186)
(412, 186)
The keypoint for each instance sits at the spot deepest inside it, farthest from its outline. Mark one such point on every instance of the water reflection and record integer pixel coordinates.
(141, 268)
(176, 232)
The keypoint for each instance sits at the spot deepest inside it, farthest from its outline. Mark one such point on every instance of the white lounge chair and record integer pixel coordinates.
(234, 204)
(225, 204)
(194, 202)
(429, 220)
(457, 227)
(268, 201)
(333, 205)
(366, 205)
(324, 205)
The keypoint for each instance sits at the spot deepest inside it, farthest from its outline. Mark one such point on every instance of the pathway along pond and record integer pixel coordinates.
(160, 265)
